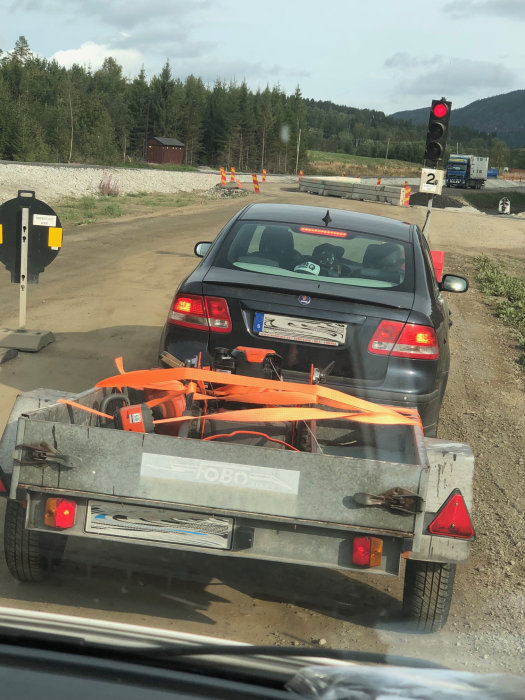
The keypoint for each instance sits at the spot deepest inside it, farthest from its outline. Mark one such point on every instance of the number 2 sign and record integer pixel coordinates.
(431, 181)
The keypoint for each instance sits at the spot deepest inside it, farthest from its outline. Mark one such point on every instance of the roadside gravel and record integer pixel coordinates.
(51, 183)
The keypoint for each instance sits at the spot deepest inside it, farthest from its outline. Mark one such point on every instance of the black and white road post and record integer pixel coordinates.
(30, 239)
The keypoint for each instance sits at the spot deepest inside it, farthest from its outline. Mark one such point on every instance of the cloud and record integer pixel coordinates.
(119, 13)
(404, 60)
(504, 9)
(451, 76)
(93, 55)
(165, 42)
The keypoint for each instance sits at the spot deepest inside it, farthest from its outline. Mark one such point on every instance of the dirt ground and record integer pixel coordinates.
(107, 294)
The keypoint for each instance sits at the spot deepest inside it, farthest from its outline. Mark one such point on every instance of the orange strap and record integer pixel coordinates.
(85, 408)
(264, 391)
(272, 415)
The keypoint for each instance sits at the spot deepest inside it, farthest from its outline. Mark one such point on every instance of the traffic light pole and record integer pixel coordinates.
(426, 225)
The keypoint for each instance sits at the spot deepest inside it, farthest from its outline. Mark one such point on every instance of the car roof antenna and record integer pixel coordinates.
(327, 218)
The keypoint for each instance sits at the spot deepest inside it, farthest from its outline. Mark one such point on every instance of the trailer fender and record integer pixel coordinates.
(451, 467)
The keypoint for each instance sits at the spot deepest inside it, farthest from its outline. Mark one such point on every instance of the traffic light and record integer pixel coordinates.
(437, 130)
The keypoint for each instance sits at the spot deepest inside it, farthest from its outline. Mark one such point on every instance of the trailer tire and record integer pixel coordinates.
(427, 594)
(29, 555)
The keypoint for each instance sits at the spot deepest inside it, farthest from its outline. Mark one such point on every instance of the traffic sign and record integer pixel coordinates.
(431, 181)
(30, 239)
(43, 236)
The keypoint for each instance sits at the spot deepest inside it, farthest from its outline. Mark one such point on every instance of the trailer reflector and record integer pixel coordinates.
(367, 551)
(453, 519)
(60, 512)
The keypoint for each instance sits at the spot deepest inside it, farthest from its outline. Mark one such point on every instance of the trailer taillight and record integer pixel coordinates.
(408, 340)
(453, 519)
(367, 551)
(201, 313)
(60, 512)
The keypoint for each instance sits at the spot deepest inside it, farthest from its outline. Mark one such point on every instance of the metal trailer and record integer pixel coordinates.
(225, 499)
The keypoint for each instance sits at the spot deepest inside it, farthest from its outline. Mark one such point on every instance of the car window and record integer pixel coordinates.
(303, 252)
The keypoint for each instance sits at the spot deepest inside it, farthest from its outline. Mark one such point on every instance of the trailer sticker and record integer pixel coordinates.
(205, 471)
(158, 525)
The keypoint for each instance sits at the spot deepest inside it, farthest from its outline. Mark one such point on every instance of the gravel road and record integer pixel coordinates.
(102, 299)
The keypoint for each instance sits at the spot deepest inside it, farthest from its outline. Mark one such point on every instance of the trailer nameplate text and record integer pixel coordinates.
(214, 473)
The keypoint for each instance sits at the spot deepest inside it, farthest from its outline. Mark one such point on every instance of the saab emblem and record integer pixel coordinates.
(304, 300)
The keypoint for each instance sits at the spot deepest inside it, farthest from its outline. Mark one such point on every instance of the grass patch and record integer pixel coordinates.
(326, 163)
(508, 294)
(488, 200)
(153, 166)
(87, 210)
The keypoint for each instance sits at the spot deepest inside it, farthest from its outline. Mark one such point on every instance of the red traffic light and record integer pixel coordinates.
(439, 110)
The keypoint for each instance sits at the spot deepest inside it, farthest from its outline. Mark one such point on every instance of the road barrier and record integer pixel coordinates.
(232, 175)
(351, 188)
(223, 177)
(406, 197)
(255, 183)
(264, 175)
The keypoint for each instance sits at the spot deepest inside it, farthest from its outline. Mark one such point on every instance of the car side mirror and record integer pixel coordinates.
(453, 283)
(201, 249)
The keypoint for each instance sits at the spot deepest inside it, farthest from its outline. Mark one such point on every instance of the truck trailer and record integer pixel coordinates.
(467, 171)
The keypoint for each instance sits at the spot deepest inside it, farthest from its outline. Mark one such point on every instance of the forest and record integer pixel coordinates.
(49, 113)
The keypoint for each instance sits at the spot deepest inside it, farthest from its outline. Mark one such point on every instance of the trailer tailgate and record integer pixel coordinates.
(215, 476)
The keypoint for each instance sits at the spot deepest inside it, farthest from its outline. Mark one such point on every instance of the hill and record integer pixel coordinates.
(500, 115)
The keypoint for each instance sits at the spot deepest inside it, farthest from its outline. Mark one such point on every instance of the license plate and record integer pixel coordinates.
(305, 330)
(158, 525)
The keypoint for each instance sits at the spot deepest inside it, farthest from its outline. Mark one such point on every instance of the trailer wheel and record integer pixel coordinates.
(29, 555)
(427, 594)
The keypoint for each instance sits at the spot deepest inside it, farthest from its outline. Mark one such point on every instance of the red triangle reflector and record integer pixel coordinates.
(453, 520)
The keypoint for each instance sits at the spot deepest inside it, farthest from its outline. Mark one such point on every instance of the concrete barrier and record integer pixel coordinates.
(351, 188)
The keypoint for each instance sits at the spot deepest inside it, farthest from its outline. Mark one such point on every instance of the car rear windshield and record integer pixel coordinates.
(303, 251)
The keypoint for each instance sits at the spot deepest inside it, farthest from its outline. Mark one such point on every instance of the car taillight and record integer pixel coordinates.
(218, 314)
(404, 340)
(60, 512)
(453, 519)
(202, 313)
(367, 551)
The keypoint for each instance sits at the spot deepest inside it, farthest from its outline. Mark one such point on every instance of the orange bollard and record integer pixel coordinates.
(223, 177)
(300, 175)
(255, 183)
(232, 175)
(378, 181)
(239, 184)
(264, 175)
(406, 199)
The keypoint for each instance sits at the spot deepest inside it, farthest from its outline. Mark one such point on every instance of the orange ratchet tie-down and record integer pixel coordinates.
(280, 401)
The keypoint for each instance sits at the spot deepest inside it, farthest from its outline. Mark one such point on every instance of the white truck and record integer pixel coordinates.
(161, 460)
(467, 171)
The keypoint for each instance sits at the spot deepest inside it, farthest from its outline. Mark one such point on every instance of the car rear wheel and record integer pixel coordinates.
(427, 594)
(29, 555)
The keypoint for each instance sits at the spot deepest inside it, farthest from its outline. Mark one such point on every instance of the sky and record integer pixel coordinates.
(386, 55)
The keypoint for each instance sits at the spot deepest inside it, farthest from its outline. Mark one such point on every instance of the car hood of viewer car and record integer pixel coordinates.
(317, 676)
